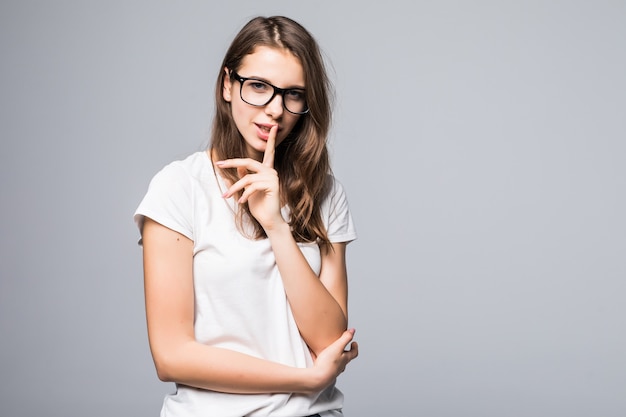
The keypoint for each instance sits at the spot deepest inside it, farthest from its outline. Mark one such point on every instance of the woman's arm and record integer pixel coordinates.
(319, 304)
(178, 357)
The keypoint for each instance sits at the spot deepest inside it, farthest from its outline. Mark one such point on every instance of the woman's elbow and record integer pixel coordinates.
(319, 344)
(165, 365)
(163, 370)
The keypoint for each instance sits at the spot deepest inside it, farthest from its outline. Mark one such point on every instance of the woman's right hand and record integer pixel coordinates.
(259, 185)
(332, 361)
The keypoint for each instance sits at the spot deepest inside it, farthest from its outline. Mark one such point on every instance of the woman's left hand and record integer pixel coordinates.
(259, 183)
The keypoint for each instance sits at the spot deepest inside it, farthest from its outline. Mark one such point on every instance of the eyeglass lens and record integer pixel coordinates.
(259, 93)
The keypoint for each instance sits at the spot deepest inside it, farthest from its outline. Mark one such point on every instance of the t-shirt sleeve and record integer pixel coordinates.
(339, 224)
(168, 201)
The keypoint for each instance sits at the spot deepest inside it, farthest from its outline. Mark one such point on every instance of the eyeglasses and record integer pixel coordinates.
(259, 93)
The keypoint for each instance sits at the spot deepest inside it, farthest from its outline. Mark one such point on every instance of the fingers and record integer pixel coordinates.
(253, 176)
(270, 148)
(350, 348)
(333, 360)
(343, 341)
(248, 184)
(354, 350)
(241, 172)
(346, 337)
(348, 355)
(246, 163)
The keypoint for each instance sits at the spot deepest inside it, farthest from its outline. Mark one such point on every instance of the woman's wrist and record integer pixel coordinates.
(313, 381)
(280, 226)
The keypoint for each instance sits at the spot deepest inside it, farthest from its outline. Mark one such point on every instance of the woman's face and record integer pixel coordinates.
(278, 67)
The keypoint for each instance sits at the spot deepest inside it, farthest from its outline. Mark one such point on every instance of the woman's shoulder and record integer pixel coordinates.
(333, 186)
(334, 196)
(336, 212)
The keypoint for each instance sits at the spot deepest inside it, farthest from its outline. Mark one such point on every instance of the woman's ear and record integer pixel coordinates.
(226, 88)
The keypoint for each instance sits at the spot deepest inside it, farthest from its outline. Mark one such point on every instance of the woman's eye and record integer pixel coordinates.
(295, 95)
(258, 86)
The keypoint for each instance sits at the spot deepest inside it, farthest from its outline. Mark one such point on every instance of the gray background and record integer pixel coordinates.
(482, 145)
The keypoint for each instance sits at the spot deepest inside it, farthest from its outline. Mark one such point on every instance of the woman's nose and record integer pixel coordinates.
(275, 107)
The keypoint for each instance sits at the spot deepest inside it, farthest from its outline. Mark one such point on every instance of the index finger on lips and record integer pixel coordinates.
(268, 156)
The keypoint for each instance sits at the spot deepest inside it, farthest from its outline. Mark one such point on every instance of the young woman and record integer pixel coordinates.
(244, 245)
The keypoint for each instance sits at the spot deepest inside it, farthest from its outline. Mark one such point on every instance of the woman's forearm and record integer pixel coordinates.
(212, 368)
(320, 317)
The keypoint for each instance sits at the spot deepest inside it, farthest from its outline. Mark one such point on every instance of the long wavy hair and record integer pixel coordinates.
(301, 159)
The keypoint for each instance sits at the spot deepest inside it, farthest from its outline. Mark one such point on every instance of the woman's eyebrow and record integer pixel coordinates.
(256, 77)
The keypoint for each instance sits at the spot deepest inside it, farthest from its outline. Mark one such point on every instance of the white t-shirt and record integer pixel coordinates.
(240, 302)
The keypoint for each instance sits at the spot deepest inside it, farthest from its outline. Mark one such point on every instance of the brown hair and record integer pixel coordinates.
(302, 158)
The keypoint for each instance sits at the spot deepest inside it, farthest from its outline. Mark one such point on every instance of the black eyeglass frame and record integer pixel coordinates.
(277, 90)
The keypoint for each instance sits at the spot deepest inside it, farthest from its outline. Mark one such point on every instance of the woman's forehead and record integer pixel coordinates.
(276, 65)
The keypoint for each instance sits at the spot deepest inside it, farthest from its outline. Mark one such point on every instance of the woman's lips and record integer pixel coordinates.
(263, 130)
